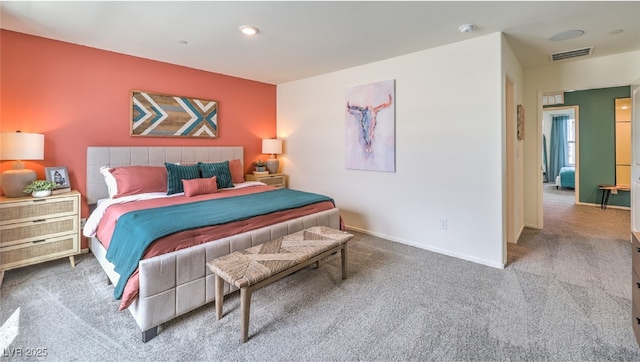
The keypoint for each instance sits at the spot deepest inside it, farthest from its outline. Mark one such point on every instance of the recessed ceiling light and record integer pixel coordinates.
(183, 42)
(616, 31)
(466, 28)
(249, 30)
(566, 35)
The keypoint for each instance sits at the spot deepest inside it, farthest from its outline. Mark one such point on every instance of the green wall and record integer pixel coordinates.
(597, 141)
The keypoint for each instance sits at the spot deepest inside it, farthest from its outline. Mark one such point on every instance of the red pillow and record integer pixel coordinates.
(237, 173)
(132, 180)
(199, 186)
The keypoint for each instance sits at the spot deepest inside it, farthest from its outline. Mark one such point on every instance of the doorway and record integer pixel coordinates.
(561, 168)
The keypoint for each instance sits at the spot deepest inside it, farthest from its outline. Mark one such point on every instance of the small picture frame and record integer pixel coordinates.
(520, 121)
(59, 175)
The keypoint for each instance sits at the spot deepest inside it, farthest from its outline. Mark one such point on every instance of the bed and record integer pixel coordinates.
(177, 282)
(566, 178)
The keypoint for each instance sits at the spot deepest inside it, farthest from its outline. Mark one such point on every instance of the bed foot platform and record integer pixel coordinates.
(149, 334)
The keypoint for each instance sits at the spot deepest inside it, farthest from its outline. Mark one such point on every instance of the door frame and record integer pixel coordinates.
(635, 156)
(510, 162)
(576, 115)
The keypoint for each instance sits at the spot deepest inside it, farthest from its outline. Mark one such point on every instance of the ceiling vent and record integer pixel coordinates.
(571, 54)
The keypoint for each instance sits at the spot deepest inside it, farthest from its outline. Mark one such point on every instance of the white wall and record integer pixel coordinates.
(590, 73)
(513, 71)
(449, 149)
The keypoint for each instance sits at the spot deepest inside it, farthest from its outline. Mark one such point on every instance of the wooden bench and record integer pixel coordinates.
(263, 264)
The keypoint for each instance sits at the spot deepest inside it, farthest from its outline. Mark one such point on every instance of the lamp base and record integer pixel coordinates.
(273, 165)
(14, 181)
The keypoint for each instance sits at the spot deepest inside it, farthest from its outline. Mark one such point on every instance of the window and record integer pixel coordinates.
(555, 98)
(571, 142)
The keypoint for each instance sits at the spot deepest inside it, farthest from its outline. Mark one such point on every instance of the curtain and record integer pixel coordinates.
(558, 145)
(545, 164)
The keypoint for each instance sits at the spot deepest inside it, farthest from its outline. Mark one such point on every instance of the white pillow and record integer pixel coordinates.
(110, 180)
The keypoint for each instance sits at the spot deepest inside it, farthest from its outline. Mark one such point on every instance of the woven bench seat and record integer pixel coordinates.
(260, 265)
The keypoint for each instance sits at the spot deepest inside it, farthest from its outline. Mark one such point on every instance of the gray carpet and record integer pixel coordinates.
(565, 296)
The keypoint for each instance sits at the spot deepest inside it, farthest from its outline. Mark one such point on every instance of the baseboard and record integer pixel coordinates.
(435, 250)
(608, 206)
(518, 234)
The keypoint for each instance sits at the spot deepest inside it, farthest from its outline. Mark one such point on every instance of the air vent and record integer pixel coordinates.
(571, 54)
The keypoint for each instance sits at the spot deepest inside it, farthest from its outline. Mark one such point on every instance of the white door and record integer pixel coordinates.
(635, 161)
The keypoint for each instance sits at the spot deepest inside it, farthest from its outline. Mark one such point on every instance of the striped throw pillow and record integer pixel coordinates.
(177, 173)
(220, 170)
(199, 186)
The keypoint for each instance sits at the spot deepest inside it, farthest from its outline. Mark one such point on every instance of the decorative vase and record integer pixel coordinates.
(261, 168)
(41, 193)
(273, 165)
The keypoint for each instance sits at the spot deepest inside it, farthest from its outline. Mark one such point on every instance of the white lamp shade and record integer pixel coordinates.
(21, 146)
(272, 146)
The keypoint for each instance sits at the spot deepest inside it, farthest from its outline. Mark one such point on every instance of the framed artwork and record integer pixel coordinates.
(59, 175)
(370, 140)
(162, 115)
(520, 122)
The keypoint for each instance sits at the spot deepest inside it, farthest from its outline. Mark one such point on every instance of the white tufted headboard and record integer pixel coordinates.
(147, 156)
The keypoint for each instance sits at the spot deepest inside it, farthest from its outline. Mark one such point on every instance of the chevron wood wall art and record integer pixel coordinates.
(161, 115)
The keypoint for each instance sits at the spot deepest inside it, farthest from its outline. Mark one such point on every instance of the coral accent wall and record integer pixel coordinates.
(79, 96)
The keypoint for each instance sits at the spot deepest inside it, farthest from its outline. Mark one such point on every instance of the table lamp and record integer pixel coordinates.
(19, 146)
(272, 147)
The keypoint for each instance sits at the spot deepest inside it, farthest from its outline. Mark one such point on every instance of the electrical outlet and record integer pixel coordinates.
(443, 224)
(82, 222)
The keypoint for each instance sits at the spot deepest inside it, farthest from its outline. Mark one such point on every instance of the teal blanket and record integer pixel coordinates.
(136, 230)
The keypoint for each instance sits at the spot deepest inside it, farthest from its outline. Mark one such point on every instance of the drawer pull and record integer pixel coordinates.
(39, 200)
(637, 320)
(40, 220)
(39, 241)
(638, 285)
(638, 250)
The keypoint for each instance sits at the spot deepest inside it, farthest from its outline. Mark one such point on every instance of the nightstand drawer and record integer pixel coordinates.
(34, 209)
(635, 289)
(47, 249)
(636, 322)
(635, 253)
(276, 179)
(27, 232)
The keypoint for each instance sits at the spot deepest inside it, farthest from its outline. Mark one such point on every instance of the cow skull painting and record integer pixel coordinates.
(370, 127)
(367, 117)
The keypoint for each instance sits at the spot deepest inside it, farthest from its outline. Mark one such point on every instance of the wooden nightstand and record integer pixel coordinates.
(274, 179)
(34, 230)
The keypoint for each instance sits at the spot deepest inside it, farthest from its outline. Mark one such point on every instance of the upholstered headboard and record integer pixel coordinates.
(147, 156)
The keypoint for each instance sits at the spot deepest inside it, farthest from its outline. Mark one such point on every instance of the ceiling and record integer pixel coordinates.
(300, 39)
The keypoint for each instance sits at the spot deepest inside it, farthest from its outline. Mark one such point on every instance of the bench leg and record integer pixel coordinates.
(343, 254)
(245, 310)
(219, 285)
(605, 199)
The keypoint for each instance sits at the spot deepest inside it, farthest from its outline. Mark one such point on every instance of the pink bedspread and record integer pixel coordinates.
(187, 238)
